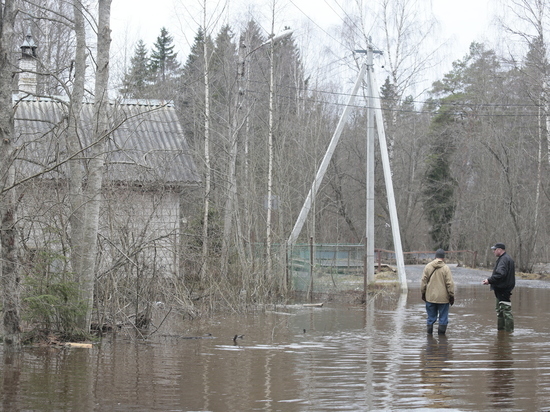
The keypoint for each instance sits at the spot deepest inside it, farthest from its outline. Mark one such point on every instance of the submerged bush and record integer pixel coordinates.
(52, 298)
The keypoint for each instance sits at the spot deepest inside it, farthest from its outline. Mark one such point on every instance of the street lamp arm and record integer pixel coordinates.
(281, 35)
(242, 59)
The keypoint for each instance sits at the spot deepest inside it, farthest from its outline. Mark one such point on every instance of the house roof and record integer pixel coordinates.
(146, 146)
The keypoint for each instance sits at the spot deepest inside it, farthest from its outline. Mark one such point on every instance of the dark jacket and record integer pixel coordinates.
(504, 273)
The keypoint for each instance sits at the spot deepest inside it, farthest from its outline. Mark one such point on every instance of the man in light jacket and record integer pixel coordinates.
(438, 291)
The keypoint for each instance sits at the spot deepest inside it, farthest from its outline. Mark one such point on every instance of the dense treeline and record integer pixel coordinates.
(468, 163)
(469, 159)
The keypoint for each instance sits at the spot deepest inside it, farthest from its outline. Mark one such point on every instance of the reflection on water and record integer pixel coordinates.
(11, 372)
(501, 381)
(334, 358)
(434, 369)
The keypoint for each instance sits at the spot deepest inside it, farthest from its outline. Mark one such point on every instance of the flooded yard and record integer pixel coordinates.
(334, 358)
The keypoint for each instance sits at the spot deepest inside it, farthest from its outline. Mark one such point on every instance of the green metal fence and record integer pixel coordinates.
(326, 268)
(323, 268)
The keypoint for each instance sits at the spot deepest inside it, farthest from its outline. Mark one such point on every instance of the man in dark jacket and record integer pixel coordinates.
(502, 281)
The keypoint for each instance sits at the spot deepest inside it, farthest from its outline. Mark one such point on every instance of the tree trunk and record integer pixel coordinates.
(208, 177)
(230, 214)
(10, 275)
(97, 161)
(73, 142)
(9, 272)
(268, 234)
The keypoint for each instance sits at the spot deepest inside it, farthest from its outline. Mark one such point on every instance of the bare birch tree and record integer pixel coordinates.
(76, 177)
(96, 163)
(208, 168)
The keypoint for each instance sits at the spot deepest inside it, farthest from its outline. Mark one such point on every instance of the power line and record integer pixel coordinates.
(314, 22)
(434, 101)
(441, 105)
(347, 15)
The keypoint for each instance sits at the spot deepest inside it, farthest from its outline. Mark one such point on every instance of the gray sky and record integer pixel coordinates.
(461, 23)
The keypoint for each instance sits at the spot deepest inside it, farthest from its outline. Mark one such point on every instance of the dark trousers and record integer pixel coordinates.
(502, 295)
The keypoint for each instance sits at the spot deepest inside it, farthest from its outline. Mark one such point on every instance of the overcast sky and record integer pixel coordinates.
(461, 21)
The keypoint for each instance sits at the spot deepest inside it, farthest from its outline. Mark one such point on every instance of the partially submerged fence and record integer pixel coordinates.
(326, 268)
(329, 268)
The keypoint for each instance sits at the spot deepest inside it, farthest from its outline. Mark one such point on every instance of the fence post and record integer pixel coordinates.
(286, 276)
(311, 268)
(365, 283)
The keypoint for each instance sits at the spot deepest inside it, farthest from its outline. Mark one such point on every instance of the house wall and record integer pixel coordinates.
(139, 229)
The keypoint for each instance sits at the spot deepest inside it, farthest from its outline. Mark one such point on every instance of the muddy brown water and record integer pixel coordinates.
(334, 358)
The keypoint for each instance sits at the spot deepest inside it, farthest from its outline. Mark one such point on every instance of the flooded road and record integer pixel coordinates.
(334, 358)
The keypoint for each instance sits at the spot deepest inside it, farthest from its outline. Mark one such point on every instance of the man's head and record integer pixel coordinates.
(498, 249)
(440, 254)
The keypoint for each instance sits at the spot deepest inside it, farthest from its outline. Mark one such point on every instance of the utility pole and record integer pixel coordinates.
(270, 152)
(374, 114)
(375, 110)
(326, 161)
(369, 218)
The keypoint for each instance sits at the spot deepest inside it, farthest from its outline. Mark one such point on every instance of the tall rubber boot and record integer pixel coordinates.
(441, 329)
(500, 316)
(500, 321)
(430, 329)
(506, 308)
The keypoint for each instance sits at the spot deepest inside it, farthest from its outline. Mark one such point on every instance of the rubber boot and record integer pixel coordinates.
(441, 329)
(430, 329)
(500, 321)
(500, 316)
(506, 308)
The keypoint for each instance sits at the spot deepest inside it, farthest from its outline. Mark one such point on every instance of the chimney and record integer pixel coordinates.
(27, 65)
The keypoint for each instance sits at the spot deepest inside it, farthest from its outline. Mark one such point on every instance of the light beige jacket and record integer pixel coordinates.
(437, 282)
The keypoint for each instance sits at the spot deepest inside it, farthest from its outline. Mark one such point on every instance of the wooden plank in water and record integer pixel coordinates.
(78, 345)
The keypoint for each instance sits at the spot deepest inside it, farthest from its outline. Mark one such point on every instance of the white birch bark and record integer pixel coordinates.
(270, 154)
(76, 170)
(96, 163)
(208, 167)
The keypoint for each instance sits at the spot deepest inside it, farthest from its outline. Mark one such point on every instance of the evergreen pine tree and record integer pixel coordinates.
(163, 63)
(223, 66)
(137, 80)
(190, 100)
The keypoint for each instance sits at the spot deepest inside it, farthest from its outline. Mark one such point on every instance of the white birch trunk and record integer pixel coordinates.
(208, 177)
(73, 143)
(268, 239)
(97, 162)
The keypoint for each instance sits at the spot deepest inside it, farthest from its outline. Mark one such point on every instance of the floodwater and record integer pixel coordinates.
(335, 358)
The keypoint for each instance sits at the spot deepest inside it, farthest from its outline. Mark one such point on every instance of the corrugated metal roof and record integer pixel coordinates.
(146, 144)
